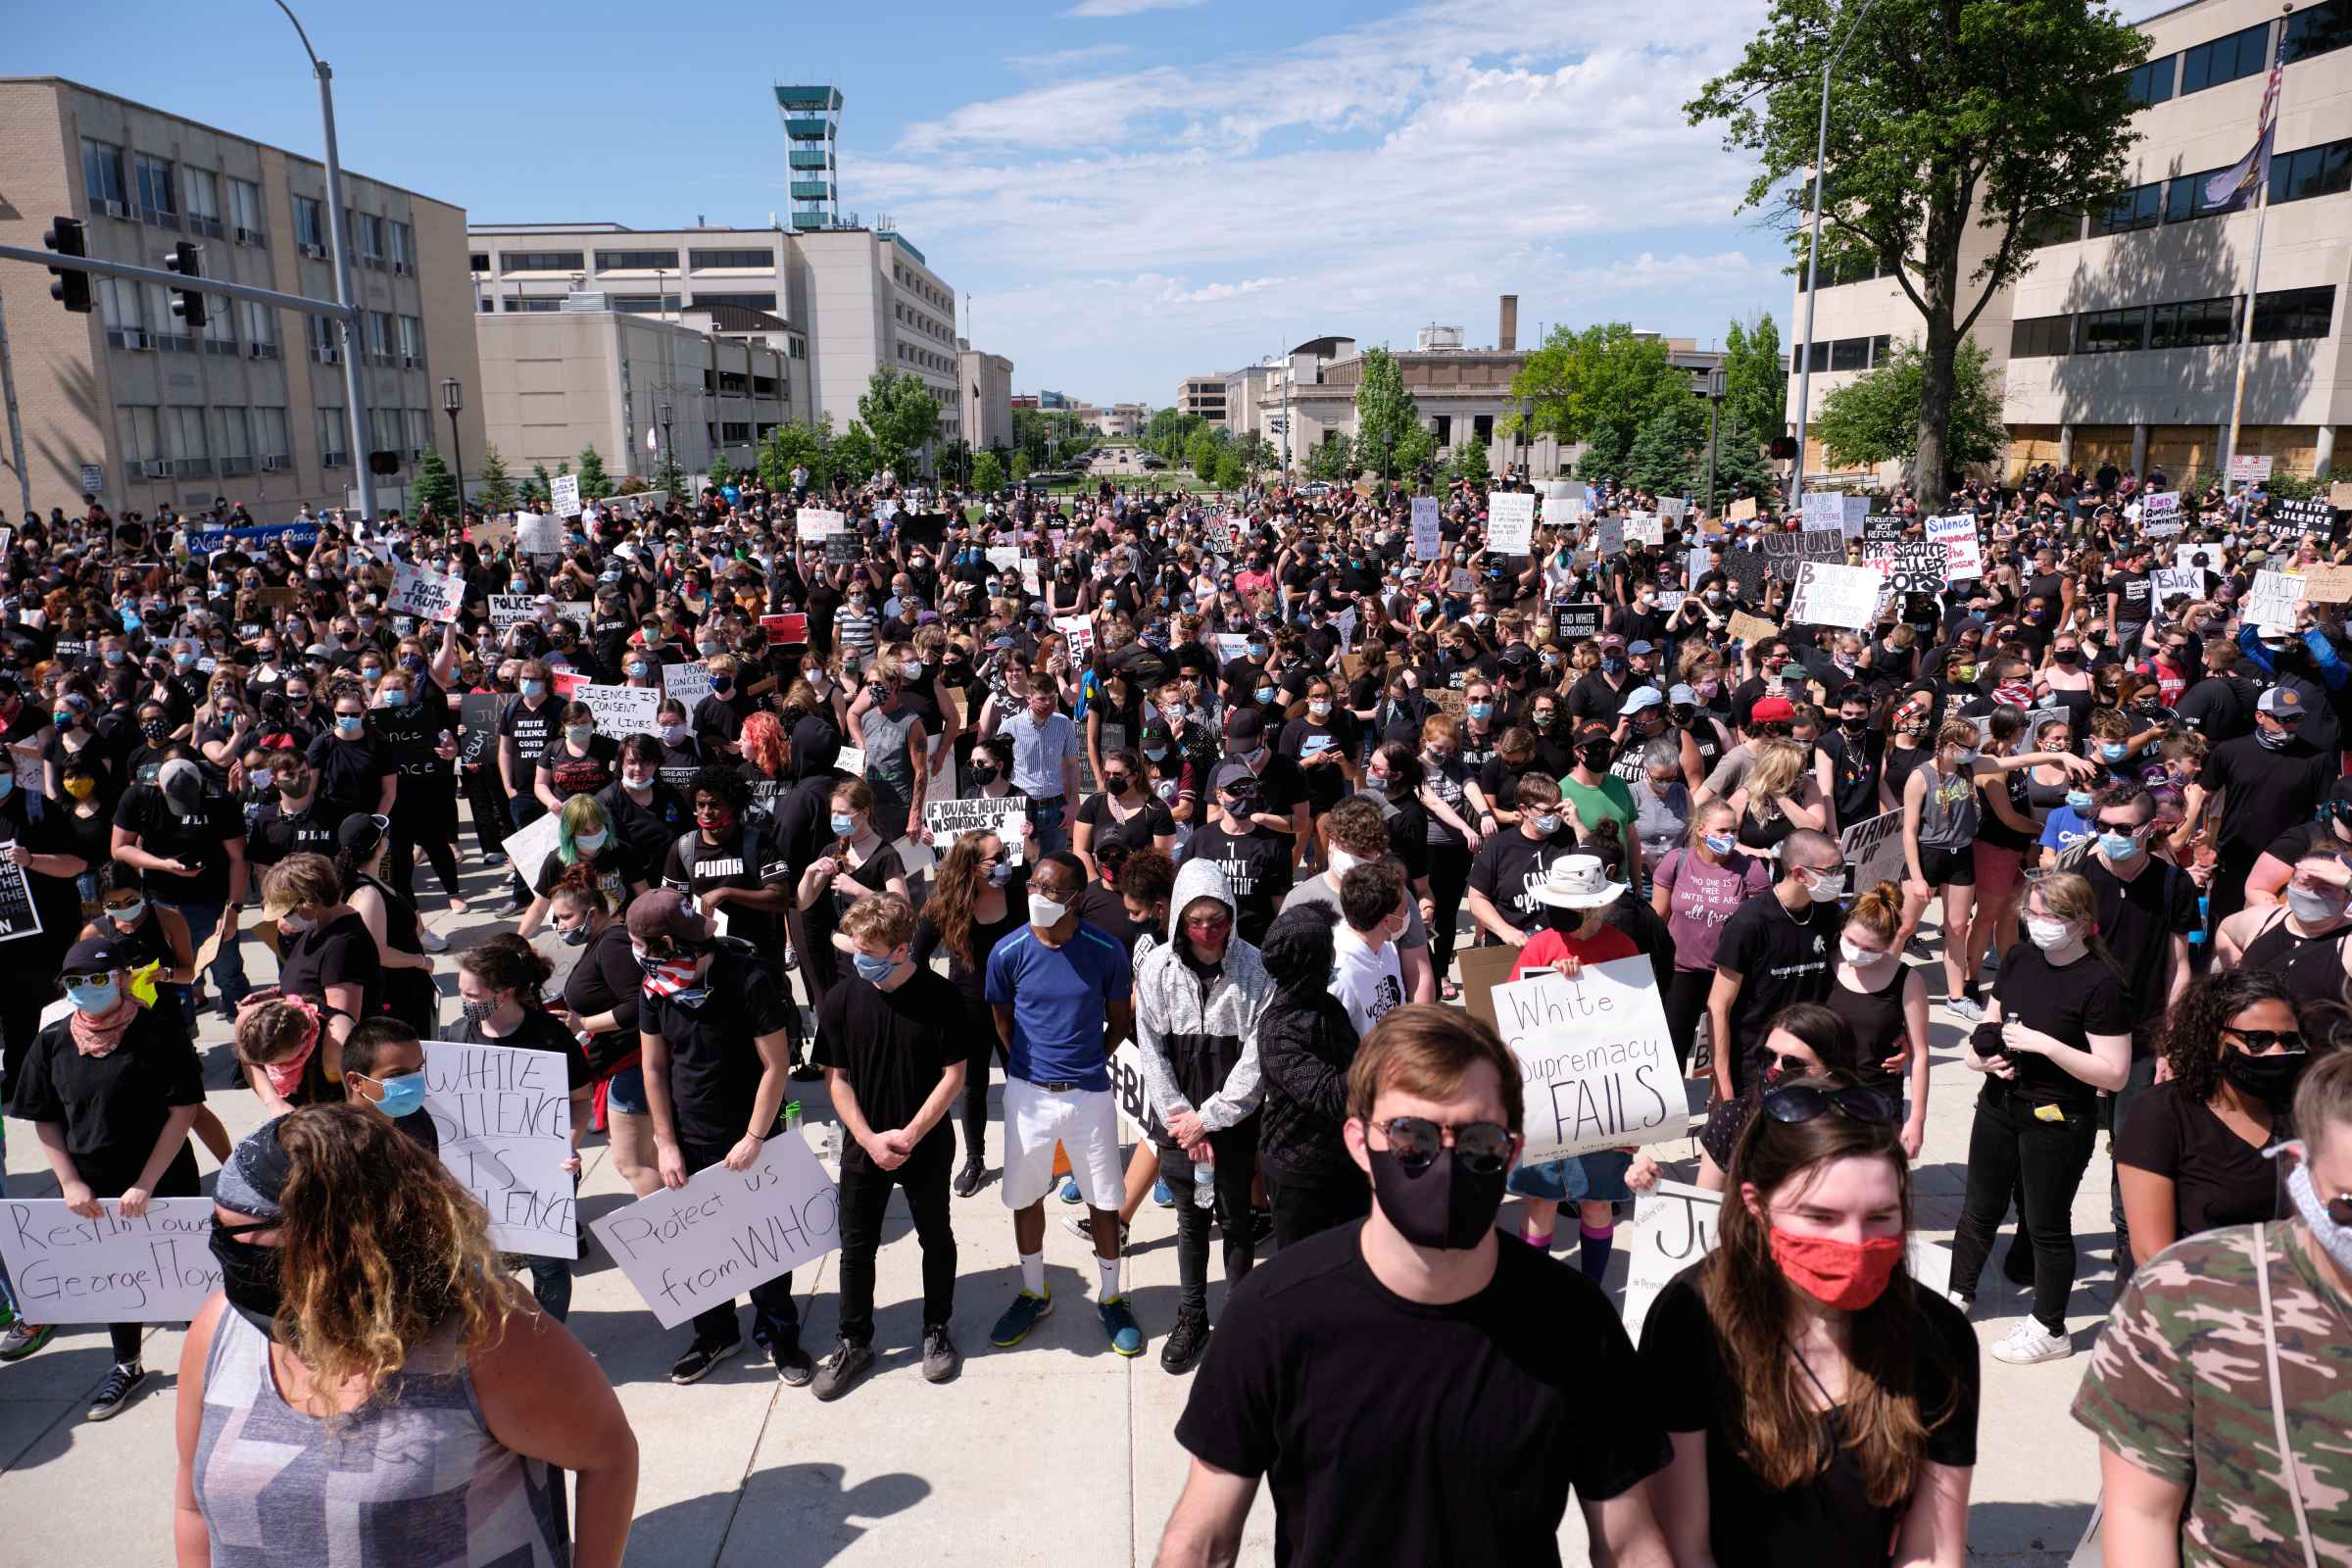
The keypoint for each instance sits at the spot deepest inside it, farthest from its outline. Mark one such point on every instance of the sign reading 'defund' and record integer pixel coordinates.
(725, 1230)
(157, 1268)
(1599, 1064)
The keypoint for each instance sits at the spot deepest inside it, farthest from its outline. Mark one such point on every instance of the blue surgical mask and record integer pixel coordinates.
(2120, 846)
(1266, 694)
(128, 914)
(350, 723)
(871, 970)
(2115, 750)
(1547, 823)
(532, 688)
(403, 1096)
(844, 823)
(95, 1000)
(1481, 710)
(183, 660)
(1000, 873)
(1720, 842)
(2080, 800)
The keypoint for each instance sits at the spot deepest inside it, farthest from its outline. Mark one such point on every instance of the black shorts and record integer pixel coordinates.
(1948, 868)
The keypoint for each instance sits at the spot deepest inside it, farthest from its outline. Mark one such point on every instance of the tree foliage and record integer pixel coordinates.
(1021, 468)
(987, 473)
(1666, 453)
(1875, 418)
(595, 483)
(1257, 453)
(1469, 461)
(794, 445)
(1386, 414)
(1605, 374)
(723, 472)
(1331, 459)
(857, 455)
(1049, 434)
(1755, 382)
(1740, 468)
(1415, 447)
(2001, 108)
(433, 487)
(495, 492)
(1232, 471)
(901, 416)
(541, 487)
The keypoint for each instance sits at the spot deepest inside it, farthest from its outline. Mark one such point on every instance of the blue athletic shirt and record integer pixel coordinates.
(1059, 997)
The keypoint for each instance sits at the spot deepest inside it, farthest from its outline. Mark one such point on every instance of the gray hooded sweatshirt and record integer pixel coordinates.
(1196, 1027)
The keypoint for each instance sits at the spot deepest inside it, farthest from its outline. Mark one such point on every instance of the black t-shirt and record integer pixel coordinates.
(111, 1107)
(1509, 867)
(339, 952)
(1855, 761)
(2070, 1002)
(200, 840)
(2138, 920)
(532, 731)
(276, 833)
(646, 831)
(539, 1031)
(1830, 1521)
(2269, 791)
(2304, 837)
(1782, 955)
(55, 899)
(567, 775)
(2218, 1177)
(351, 773)
(1150, 820)
(1391, 1432)
(747, 858)
(715, 1063)
(892, 1046)
(617, 871)
(1256, 865)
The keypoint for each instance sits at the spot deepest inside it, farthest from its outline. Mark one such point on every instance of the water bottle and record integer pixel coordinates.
(791, 1115)
(1204, 1185)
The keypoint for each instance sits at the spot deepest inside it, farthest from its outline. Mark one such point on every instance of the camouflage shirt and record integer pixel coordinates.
(2178, 1386)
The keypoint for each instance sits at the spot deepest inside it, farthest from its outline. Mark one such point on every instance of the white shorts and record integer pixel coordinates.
(1084, 1121)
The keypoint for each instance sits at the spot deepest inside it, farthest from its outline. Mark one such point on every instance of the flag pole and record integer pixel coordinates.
(2262, 215)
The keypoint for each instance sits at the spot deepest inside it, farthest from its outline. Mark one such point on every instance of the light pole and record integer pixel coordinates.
(664, 412)
(1804, 347)
(354, 398)
(452, 399)
(1719, 385)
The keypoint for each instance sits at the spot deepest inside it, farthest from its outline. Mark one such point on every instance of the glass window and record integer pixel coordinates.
(749, 302)
(2051, 227)
(638, 260)
(2152, 83)
(309, 222)
(1483, 426)
(1850, 354)
(334, 437)
(233, 437)
(2115, 331)
(269, 433)
(135, 423)
(478, 261)
(542, 261)
(2318, 29)
(2041, 337)
(527, 304)
(2209, 64)
(204, 200)
(699, 260)
(369, 232)
(2139, 208)
(411, 337)
(403, 245)
(102, 172)
(260, 326)
(183, 434)
(158, 193)
(638, 304)
(2292, 313)
(220, 326)
(246, 211)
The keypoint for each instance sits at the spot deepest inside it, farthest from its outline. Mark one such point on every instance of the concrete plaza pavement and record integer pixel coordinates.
(1056, 1450)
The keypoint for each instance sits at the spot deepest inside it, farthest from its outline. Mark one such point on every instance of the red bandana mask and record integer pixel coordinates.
(1845, 1275)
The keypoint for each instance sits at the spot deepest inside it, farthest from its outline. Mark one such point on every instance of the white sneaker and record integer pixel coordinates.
(2030, 1342)
(430, 940)
(1965, 1010)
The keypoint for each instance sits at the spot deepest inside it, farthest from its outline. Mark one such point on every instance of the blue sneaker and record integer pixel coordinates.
(1070, 1189)
(1021, 1317)
(1126, 1337)
(1161, 1195)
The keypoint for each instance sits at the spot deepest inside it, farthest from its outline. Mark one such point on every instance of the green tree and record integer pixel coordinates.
(1755, 381)
(1415, 447)
(541, 486)
(794, 445)
(433, 487)
(1604, 375)
(1259, 454)
(1607, 449)
(1947, 115)
(1740, 468)
(1232, 472)
(857, 455)
(900, 415)
(1469, 461)
(987, 473)
(1202, 452)
(1876, 417)
(955, 459)
(1020, 466)
(668, 475)
(593, 484)
(496, 493)
(1330, 460)
(1667, 451)
(1386, 414)
(723, 472)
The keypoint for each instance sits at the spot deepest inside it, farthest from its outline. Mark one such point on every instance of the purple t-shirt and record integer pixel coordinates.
(1700, 897)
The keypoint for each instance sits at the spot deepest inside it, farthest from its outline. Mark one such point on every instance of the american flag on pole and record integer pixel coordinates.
(2235, 187)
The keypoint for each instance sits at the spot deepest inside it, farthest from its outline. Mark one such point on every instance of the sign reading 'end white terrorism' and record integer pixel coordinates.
(725, 1230)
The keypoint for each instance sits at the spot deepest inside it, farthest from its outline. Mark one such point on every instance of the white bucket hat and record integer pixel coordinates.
(1577, 882)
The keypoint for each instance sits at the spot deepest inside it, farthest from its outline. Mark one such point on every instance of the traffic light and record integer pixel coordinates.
(186, 302)
(73, 286)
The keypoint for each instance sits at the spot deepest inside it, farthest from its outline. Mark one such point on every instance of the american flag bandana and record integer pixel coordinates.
(669, 977)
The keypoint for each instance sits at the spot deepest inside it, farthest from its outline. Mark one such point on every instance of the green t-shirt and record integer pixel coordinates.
(1611, 802)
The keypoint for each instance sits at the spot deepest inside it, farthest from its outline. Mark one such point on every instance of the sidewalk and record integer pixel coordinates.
(1058, 1448)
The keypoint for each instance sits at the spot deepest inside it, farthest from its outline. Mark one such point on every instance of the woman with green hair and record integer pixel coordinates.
(584, 837)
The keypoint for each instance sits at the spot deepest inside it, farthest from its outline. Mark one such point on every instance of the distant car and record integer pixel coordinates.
(1314, 487)
(1154, 462)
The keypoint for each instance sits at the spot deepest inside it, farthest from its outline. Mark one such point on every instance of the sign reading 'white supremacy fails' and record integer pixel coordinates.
(157, 1268)
(1594, 1051)
(503, 1117)
(725, 1230)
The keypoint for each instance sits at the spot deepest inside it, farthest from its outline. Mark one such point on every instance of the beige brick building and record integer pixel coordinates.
(251, 405)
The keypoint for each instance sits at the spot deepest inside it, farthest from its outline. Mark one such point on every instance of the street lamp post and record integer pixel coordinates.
(354, 396)
(452, 399)
(1719, 385)
(1804, 347)
(663, 411)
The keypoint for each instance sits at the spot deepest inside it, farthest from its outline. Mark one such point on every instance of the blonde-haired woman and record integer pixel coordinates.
(1884, 1000)
(366, 1335)
(1779, 796)
(890, 727)
(2056, 1032)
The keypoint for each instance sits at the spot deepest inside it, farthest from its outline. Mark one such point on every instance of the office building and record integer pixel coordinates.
(872, 303)
(2120, 344)
(1203, 396)
(811, 117)
(134, 402)
(1117, 421)
(987, 395)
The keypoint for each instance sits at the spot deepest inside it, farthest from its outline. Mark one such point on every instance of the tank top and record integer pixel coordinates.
(1879, 1027)
(2313, 968)
(2043, 799)
(411, 1477)
(1947, 809)
(884, 736)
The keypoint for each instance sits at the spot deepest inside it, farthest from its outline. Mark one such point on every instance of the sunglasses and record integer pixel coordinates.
(1485, 1145)
(1800, 1102)
(2259, 1041)
(96, 977)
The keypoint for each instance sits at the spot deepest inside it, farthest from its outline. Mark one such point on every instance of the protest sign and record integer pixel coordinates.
(949, 820)
(1873, 849)
(2250, 469)
(1080, 631)
(2326, 585)
(1882, 529)
(2197, 557)
(2273, 599)
(2339, 495)
(785, 631)
(1004, 558)
(1824, 508)
(1674, 509)
(1964, 554)
(1481, 970)
(851, 760)
(1425, 528)
(503, 1117)
(843, 549)
(2173, 582)
(1139, 1118)
(1573, 621)
(1919, 567)
(204, 541)
(426, 595)
(1742, 510)
(24, 762)
(1608, 536)
(2313, 517)
(507, 609)
(1646, 528)
(1594, 1053)
(1748, 569)
(622, 711)
(530, 845)
(1562, 511)
(63, 1268)
(491, 533)
(815, 523)
(2160, 514)
(725, 1230)
(1835, 596)
(19, 917)
(563, 491)
(1750, 629)
(537, 534)
(1230, 645)
(1696, 563)
(688, 683)
(1510, 522)
(1671, 599)
(478, 713)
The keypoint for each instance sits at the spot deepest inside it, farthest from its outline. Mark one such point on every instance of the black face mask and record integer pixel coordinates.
(1595, 758)
(1449, 1206)
(248, 1272)
(2269, 1079)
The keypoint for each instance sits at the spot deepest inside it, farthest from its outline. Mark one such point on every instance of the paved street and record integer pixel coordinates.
(1056, 1447)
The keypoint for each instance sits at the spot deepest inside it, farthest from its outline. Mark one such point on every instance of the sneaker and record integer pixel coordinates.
(1082, 1225)
(792, 956)
(1163, 1193)
(1126, 1337)
(792, 1366)
(116, 1391)
(837, 1371)
(699, 1357)
(941, 1359)
(23, 1339)
(2030, 1343)
(1187, 1338)
(510, 909)
(967, 1180)
(1966, 1008)
(1070, 1189)
(1019, 1319)
(430, 940)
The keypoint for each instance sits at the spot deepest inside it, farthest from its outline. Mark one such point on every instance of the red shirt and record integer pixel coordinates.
(1547, 948)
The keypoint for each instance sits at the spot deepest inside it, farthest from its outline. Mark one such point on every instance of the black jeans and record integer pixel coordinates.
(982, 1047)
(1234, 1155)
(435, 838)
(2141, 1080)
(1448, 880)
(1685, 1005)
(775, 1319)
(864, 1195)
(1305, 1206)
(488, 798)
(2011, 1149)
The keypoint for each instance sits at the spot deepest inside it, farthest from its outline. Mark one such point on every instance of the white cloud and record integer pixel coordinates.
(1126, 8)
(1069, 58)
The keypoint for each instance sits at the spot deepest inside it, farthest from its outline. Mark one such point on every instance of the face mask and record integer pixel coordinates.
(2335, 1240)
(1827, 888)
(1481, 710)
(1720, 842)
(95, 1000)
(297, 924)
(2080, 800)
(154, 730)
(248, 1272)
(532, 688)
(114, 655)
(984, 774)
(2114, 752)
(590, 842)
(2273, 740)
(403, 1096)
(1449, 1206)
(1845, 1275)
(1547, 823)
(130, 915)
(1321, 708)
(673, 734)
(1266, 694)
(870, 969)
(394, 697)
(2311, 909)
(579, 734)
(843, 824)
(1613, 666)
(1595, 756)
(639, 671)
(2269, 1079)
(476, 1011)
(350, 723)
(64, 718)
(721, 685)
(81, 789)
(1045, 912)
(2046, 934)
(1000, 873)
(2120, 846)
(183, 660)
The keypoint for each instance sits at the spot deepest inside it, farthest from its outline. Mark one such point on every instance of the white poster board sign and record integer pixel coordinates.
(1873, 849)
(1001, 558)
(2271, 601)
(563, 491)
(622, 711)
(1608, 536)
(508, 611)
(817, 525)
(157, 1268)
(536, 535)
(1139, 1118)
(1080, 631)
(426, 595)
(1646, 528)
(2175, 582)
(1230, 645)
(1425, 528)
(1510, 522)
(725, 1230)
(948, 820)
(2160, 514)
(1600, 1068)
(1964, 554)
(2250, 469)
(504, 1115)
(1835, 596)
(530, 845)
(688, 683)
(1824, 508)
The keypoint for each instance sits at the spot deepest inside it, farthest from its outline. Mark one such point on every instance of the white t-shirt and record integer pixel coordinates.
(1367, 980)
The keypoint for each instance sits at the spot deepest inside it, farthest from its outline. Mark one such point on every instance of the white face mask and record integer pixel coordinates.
(1045, 912)
(1826, 886)
(2047, 934)
(589, 842)
(1341, 863)
(637, 781)
(1859, 956)
(2311, 909)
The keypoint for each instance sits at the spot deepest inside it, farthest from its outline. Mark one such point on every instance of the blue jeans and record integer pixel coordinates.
(228, 965)
(1051, 839)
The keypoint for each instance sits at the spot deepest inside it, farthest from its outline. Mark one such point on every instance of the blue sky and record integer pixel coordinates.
(1130, 190)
